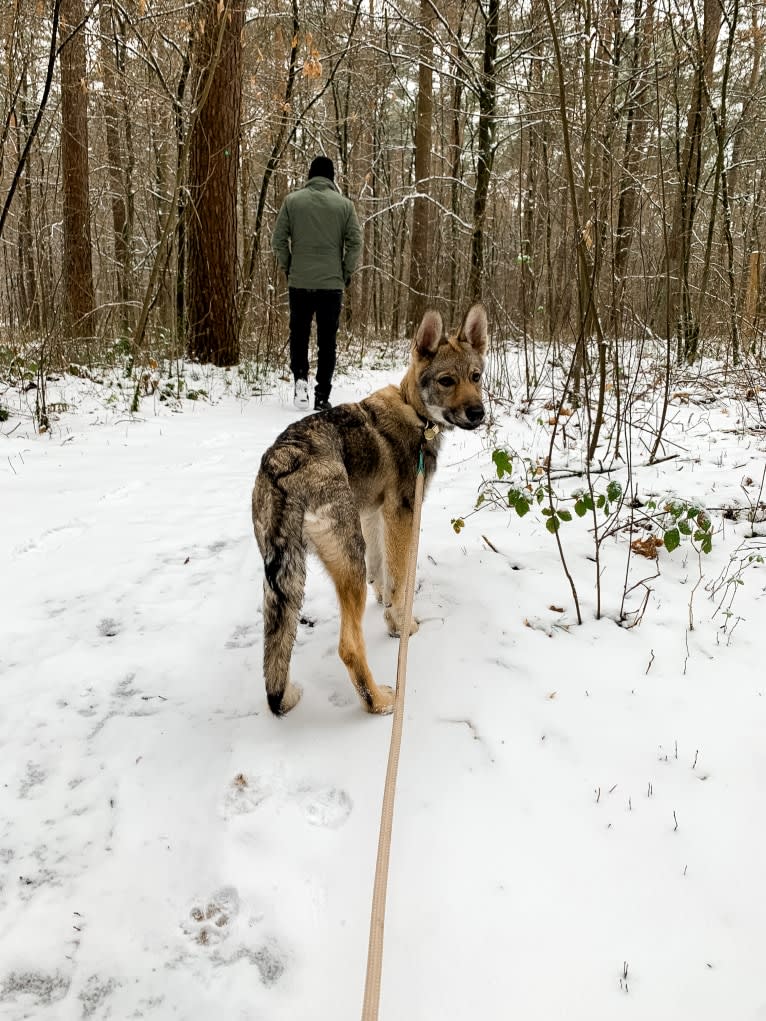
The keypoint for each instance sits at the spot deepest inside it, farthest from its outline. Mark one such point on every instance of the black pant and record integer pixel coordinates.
(326, 306)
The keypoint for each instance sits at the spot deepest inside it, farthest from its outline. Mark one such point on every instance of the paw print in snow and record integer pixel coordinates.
(244, 794)
(209, 922)
(327, 806)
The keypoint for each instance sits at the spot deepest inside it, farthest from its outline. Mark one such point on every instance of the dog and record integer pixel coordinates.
(341, 484)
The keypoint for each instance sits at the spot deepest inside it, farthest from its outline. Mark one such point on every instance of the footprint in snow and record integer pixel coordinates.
(108, 627)
(321, 806)
(325, 806)
(209, 921)
(94, 994)
(243, 795)
(36, 987)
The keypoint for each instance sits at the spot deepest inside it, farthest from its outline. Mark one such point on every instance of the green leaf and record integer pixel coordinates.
(684, 527)
(607, 508)
(580, 509)
(518, 499)
(600, 500)
(522, 506)
(547, 512)
(587, 499)
(480, 499)
(565, 515)
(707, 543)
(613, 491)
(672, 539)
(457, 524)
(692, 512)
(552, 524)
(540, 494)
(503, 463)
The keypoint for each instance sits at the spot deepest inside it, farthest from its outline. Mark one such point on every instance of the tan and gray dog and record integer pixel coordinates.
(342, 484)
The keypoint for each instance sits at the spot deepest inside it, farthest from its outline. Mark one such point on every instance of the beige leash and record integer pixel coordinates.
(378, 913)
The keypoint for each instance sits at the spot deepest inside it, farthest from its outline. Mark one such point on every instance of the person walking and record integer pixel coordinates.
(317, 242)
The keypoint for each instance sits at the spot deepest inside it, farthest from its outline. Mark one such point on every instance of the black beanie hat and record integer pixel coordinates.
(321, 166)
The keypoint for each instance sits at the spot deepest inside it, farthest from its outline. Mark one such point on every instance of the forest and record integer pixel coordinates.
(575, 834)
(592, 170)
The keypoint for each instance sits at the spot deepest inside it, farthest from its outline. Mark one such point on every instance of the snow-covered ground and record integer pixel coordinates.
(579, 827)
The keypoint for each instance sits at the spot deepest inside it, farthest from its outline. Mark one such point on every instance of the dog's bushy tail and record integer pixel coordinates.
(279, 531)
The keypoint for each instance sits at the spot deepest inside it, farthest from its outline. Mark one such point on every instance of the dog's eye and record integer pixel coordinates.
(475, 377)
(445, 381)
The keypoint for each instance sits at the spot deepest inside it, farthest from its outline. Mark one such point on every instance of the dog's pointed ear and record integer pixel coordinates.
(429, 334)
(474, 329)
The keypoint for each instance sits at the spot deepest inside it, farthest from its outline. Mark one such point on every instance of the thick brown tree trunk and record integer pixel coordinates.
(214, 159)
(78, 267)
(116, 162)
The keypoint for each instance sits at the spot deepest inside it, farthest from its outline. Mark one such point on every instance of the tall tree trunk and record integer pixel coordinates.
(421, 213)
(283, 123)
(26, 239)
(455, 162)
(679, 314)
(636, 130)
(116, 162)
(180, 127)
(79, 300)
(214, 159)
(486, 147)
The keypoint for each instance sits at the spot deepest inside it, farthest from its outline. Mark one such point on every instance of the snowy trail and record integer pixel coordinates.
(169, 850)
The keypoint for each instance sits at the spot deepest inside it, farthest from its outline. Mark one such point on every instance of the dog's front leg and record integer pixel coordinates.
(372, 529)
(397, 525)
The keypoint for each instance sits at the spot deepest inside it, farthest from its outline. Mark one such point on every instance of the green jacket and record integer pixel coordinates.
(316, 238)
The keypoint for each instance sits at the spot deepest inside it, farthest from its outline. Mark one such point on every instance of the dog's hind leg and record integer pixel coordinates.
(336, 534)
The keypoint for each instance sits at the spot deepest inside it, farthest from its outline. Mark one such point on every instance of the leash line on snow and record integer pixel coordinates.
(371, 1001)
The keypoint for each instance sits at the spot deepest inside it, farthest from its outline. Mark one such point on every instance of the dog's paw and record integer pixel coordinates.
(383, 705)
(392, 622)
(291, 697)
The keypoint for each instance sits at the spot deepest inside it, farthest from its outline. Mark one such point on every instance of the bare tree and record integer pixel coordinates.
(677, 314)
(214, 161)
(110, 43)
(79, 298)
(418, 298)
(485, 154)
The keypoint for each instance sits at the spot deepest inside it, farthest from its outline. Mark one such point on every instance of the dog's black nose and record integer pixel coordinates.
(475, 413)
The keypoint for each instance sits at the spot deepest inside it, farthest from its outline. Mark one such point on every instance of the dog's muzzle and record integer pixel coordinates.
(474, 414)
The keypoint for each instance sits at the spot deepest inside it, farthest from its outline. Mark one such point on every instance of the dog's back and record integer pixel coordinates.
(342, 483)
